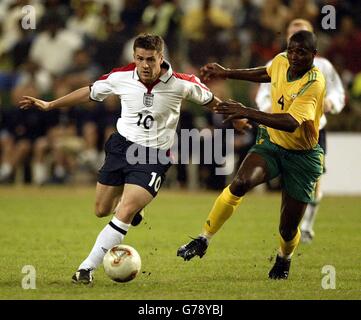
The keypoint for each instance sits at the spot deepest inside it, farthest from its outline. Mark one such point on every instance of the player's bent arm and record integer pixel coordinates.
(216, 71)
(279, 121)
(239, 124)
(335, 95)
(236, 110)
(258, 74)
(76, 97)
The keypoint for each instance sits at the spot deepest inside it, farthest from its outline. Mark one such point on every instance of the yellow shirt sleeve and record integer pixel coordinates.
(275, 63)
(269, 68)
(303, 108)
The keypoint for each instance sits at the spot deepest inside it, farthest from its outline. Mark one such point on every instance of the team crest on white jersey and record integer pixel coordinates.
(148, 99)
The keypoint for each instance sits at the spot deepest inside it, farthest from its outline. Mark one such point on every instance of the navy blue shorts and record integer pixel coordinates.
(125, 163)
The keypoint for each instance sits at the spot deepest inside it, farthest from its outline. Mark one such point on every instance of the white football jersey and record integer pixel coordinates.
(334, 89)
(150, 114)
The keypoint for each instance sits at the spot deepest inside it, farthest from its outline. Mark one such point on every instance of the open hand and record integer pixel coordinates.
(228, 107)
(31, 102)
(213, 71)
(235, 109)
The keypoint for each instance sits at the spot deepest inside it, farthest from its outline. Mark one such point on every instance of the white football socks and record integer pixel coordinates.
(40, 173)
(111, 235)
(5, 170)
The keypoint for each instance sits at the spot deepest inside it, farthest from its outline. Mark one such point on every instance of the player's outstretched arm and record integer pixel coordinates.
(74, 98)
(241, 125)
(216, 71)
(236, 110)
(213, 71)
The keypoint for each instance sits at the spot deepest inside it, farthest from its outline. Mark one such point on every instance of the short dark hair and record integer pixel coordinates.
(149, 42)
(307, 38)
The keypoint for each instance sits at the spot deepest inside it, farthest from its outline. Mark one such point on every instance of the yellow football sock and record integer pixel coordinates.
(288, 247)
(222, 209)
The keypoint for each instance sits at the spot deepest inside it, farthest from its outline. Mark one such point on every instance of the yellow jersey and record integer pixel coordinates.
(302, 98)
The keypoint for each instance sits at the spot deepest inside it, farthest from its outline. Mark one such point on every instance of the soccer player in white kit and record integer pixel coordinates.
(151, 94)
(334, 103)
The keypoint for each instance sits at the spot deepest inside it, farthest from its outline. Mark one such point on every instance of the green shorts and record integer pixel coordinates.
(299, 169)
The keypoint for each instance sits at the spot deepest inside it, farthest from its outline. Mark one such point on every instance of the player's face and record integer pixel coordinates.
(299, 57)
(148, 64)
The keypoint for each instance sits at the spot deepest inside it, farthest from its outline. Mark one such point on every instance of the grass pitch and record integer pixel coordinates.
(53, 229)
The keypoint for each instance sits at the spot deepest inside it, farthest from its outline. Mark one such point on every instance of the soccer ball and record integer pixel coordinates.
(122, 263)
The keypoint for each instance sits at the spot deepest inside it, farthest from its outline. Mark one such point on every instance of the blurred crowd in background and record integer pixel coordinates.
(76, 41)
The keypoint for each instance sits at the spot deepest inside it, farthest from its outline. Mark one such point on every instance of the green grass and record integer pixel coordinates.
(53, 230)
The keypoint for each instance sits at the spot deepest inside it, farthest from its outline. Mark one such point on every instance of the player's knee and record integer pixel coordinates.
(240, 186)
(102, 210)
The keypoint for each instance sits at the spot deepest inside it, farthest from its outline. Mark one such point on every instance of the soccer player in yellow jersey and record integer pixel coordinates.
(333, 104)
(286, 144)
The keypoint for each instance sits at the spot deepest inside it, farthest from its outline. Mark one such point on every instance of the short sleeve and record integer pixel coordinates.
(198, 92)
(304, 106)
(269, 69)
(273, 65)
(101, 88)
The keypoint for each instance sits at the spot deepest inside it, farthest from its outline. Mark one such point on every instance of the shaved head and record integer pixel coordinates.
(306, 38)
